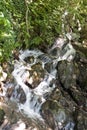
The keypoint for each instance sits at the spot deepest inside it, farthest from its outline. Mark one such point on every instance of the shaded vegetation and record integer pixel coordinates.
(31, 23)
(2, 113)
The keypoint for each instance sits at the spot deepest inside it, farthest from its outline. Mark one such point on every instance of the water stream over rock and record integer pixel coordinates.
(35, 97)
(41, 83)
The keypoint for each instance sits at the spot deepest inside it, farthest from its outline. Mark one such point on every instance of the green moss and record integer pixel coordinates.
(2, 113)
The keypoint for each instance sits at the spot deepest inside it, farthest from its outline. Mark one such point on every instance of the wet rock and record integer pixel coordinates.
(67, 73)
(55, 52)
(21, 95)
(49, 67)
(82, 78)
(55, 115)
(48, 116)
(10, 90)
(62, 50)
(69, 126)
(16, 94)
(60, 41)
(78, 97)
(29, 59)
(73, 80)
(57, 47)
(19, 125)
(16, 120)
(81, 120)
(36, 75)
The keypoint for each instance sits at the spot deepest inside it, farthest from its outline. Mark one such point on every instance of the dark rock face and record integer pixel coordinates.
(48, 116)
(56, 111)
(82, 78)
(66, 107)
(67, 73)
(72, 77)
(82, 121)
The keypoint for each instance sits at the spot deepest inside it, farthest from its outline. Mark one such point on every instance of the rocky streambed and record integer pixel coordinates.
(46, 91)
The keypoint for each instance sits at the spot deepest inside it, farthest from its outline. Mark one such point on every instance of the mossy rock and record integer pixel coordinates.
(80, 49)
(2, 114)
(67, 73)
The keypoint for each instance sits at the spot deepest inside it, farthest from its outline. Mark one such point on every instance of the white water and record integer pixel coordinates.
(34, 97)
(37, 96)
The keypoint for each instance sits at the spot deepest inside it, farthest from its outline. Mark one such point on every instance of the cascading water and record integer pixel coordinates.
(36, 96)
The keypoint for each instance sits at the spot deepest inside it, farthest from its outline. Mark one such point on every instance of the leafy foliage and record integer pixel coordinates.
(30, 23)
(6, 37)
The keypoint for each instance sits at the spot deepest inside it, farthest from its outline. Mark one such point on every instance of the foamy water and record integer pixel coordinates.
(37, 96)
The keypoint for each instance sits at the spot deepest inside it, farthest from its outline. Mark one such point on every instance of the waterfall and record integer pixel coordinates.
(37, 96)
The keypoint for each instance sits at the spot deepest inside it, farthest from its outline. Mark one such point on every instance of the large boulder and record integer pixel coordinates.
(57, 112)
(67, 73)
(72, 76)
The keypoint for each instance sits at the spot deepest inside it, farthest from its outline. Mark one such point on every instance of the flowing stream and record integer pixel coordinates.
(37, 96)
(35, 76)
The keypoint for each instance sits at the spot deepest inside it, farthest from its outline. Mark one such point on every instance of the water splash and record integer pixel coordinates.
(34, 97)
(37, 96)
